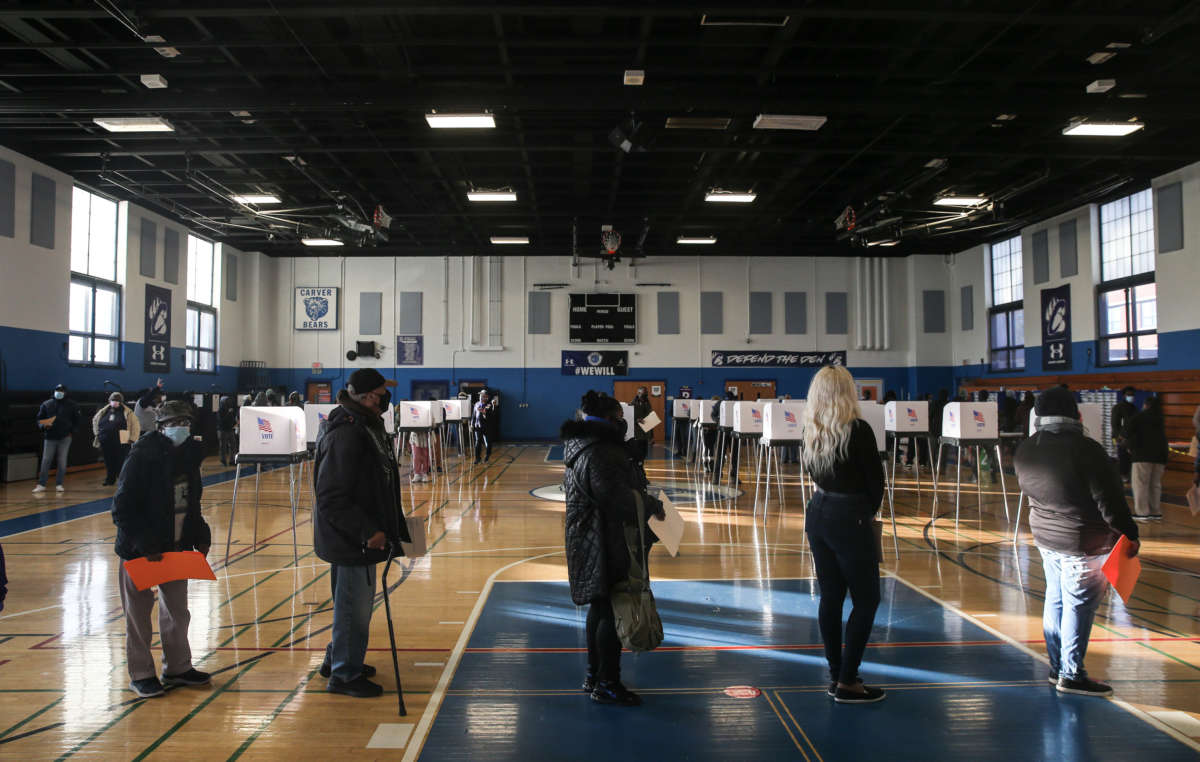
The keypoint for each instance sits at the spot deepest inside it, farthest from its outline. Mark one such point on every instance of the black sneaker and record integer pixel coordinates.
(477, 461)
(191, 677)
(1083, 686)
(832, 691)
(1052, 677)
(589, 683)
(868, 695)
(327, 667)
(614, 693)
(359, 687)
(147, 687)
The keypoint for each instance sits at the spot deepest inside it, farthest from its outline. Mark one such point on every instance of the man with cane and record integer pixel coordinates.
(357, 524)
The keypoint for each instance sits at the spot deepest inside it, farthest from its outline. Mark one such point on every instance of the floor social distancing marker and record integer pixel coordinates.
(391, 735)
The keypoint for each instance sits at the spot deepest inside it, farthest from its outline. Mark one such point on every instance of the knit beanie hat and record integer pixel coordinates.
(1056, 401)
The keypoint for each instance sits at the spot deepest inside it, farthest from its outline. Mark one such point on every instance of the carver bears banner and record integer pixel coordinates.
(156, 341)
(1056, 328)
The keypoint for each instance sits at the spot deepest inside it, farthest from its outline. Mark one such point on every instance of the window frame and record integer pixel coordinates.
(1129, 286)
(189, 348)
(1014, 351)
(94, 284)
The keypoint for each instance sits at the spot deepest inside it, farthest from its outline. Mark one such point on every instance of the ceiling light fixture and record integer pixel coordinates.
(1005, 117)
(788, 122)
(501, 240)
(257, 198)
(730, 197)
(1099, 57)
(696, 240)
(1101, 86)
(1084, 128)
(460, 121)
(883, 242)
(165, 50)
(154, 81)
(969, 201)
(635, 77)
(321, 242)
(499, 195)
(134, 124)
(697, 122)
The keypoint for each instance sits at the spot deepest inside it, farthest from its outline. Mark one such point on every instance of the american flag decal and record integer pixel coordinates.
(789, 416)
(912, 414)
(979, 418)
(264, 426)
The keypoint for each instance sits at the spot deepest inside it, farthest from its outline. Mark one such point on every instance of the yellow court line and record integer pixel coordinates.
(807, 740)
(786, 727)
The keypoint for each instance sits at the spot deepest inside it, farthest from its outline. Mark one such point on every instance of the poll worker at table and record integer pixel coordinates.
(357, 515)
(156, 510)
(599, 486)
(115, 427)
(1077, 513)
(838, 449)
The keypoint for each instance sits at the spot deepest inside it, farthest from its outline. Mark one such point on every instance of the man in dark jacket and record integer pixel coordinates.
(58, 417)
(483, 421)
(599, 488)
(157, 510)
(1122, 412)
(227, 430)
(1077, 513)
(357, 516)
(1146, 445)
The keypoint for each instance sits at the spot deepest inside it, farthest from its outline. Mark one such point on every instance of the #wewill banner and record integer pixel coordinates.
(1056, 328)
(157, 338)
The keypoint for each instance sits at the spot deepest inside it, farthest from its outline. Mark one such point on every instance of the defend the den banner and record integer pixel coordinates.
(595, 363)
(316, 308)
(766, 359)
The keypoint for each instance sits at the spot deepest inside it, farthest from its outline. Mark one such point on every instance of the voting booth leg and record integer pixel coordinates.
(957, 484)
(294, 498)
(237, 473)
(257, 473)
(387, 609)
(779, 475)
(757, 473)
(1003, 486)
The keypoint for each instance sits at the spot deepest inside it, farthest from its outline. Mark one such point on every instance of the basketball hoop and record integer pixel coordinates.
(610, 240)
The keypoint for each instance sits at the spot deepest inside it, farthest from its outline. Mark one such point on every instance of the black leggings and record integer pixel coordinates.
(604, 647)
(843, 547)
(482, 439)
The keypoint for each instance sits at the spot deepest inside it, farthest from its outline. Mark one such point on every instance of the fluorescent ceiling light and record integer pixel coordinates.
(1005, 117)
(697, 122)
(257, 198)
(509, 239)
(725, 19)
(460, 121)
(491, 196)
(154, 81)
(698, 240)
(1101, 129)
(321, 242)
(730, 197)
(1101, 86)
(134, 124)
(1099, 57)
(960, 201)
(635, 77)
(883, 242)
(788, 122)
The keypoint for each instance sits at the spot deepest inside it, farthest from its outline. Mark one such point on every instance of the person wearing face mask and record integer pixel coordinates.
(156, 510)
(58, 417)
(1122, 413)
(146, 405)
(357, 516)
(114, 427)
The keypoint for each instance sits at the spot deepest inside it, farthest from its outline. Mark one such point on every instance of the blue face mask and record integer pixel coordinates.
(59, 395)
(177, 434)
(1129, 398)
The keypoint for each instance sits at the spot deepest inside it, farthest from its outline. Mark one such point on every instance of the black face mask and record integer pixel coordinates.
(384, 401)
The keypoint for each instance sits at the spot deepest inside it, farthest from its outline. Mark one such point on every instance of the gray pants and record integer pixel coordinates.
(173, 620)
(54, 450)
(1147, 488)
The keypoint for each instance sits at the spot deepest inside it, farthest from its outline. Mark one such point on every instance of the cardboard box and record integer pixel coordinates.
(747, 417)
(271, 431)
(1092, 415)
(783, 421)
(679, 408)
(314, 414)
(906, 416)
(970, 420)
(874, 413)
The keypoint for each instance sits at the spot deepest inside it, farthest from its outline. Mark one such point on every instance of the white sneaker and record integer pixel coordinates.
(59, 488)
(40, 488)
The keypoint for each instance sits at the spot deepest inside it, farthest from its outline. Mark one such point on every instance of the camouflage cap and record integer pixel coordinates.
(172, 409)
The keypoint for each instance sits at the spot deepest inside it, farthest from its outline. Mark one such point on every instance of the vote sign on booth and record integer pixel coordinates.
(271, 431)
(783, 421)
(747, 417)
(906, 416)
(970, 420)
(679, 408)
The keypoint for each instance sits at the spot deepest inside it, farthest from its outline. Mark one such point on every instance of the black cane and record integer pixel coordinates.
(387, 607)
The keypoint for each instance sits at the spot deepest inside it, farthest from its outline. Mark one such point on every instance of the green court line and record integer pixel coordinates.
(38, 713)
(270, 718)
(100, 731)
(266, 613)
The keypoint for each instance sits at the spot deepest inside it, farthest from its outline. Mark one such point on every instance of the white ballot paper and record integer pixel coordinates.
(650, 421)
(670, 529)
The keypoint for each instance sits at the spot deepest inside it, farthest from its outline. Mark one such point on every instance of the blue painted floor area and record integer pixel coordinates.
(657, 452)
(555, 455)
(955, 690)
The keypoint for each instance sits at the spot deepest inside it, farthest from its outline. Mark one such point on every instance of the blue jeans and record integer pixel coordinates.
(1075, 585)
(353, 596)
(56, 450)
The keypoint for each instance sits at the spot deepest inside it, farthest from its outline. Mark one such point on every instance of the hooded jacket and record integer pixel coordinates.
(144, 504)
(599, 487)
(65, 414)
(357, 487)
(1077, 502)
(1145, 437)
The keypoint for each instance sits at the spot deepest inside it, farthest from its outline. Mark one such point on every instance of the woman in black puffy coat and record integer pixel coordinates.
(599, 485)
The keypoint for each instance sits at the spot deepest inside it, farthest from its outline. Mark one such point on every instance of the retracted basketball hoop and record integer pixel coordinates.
(610, 240)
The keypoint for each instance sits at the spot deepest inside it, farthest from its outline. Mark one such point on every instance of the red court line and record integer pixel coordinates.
(6, 661)
(42, 644)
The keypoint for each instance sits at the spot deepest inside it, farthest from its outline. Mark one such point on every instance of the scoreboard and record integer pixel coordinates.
(603, 319)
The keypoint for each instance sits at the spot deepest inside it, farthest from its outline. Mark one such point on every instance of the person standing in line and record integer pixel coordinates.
(936, 408)
(1122, 412)
(358, 514)
(115, 428)
(839, 452)
(58, 417)
(599, 486)
(641, 409)
(1077, 513)
(482, 418)
(145, 406)
(227, 430)
(1145, 438)
(156, 510)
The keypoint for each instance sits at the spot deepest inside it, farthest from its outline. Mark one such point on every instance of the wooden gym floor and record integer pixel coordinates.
(491, 646)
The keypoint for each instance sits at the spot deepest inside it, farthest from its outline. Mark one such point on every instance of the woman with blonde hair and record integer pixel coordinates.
(838, 449)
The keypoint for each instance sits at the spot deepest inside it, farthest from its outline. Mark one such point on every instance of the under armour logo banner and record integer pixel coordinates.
(1056, 328)
(157, 337)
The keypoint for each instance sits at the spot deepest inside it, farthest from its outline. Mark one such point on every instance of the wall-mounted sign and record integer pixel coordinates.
(598, 363)
(685, 392)
(603, 319)
(1056, 328)
(157, 339)
(766, 359)
(410, 350)
(316, 308)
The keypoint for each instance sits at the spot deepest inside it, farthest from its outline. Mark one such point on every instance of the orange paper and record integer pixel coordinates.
(1121, 570)
(188, 564)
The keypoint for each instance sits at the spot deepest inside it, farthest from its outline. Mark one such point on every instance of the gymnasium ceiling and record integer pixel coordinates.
(324, 105)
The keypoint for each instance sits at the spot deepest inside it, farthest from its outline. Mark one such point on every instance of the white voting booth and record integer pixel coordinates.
(457, 415)
(424, 417)
(680, 412)
(1090, 413)
(906, 419)
(971, 424)
(314, 415)
(873, 413)
(782, 423)
(627, 414)
(269, 436)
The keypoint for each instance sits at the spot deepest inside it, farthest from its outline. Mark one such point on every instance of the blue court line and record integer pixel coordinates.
(554, 454)
(90, 508)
